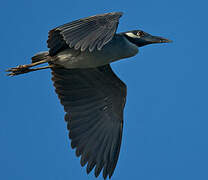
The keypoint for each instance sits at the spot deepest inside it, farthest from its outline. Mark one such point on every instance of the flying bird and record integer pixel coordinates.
(79, 56)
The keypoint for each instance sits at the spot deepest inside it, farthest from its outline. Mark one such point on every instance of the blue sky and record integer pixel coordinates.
(166, 116)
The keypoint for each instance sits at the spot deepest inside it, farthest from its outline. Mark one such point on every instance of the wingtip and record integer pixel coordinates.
(121, 13)
(118, 13)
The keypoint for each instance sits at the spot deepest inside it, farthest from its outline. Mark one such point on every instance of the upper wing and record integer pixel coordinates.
(91, 32)
(94, 100)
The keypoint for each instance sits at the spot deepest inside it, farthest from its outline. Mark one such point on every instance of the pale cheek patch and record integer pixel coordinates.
(132, 35)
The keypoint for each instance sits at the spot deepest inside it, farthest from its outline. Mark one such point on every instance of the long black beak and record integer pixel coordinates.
(156, 39)
(149, 39)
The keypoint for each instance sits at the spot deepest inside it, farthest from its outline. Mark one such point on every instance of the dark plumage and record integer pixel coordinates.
(80, 53)
(93, 100)
(91, 32)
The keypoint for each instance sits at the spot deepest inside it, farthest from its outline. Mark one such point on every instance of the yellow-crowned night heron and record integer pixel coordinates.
(92, 95)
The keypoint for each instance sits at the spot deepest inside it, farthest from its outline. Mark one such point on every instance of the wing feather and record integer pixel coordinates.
(87, 33)
(94, 100)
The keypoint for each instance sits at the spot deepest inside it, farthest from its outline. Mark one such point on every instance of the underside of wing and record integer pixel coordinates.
(94, 100)
(87, 33)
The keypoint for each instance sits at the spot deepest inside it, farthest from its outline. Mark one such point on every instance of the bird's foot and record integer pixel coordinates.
(21, 69)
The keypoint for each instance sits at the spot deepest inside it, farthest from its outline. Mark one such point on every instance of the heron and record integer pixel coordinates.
(93, 96)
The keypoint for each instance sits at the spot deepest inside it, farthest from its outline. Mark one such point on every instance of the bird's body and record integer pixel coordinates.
(80, 53)
(71, 58)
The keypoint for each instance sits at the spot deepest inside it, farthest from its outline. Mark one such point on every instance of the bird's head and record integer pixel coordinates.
(141, 38)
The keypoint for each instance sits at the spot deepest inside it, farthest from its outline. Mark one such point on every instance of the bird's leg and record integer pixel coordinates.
(21, 69)
(25, 70)
(26, 66)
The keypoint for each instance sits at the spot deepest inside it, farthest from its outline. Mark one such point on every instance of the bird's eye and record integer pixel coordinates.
(140, 33)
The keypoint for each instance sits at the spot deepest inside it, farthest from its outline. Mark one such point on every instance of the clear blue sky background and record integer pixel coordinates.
(166, 116)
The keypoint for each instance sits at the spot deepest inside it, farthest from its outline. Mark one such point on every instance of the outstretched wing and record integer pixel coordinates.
(91, 32)
(94, 100)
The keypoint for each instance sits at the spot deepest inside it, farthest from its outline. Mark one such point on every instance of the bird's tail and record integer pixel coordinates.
(37, 59)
